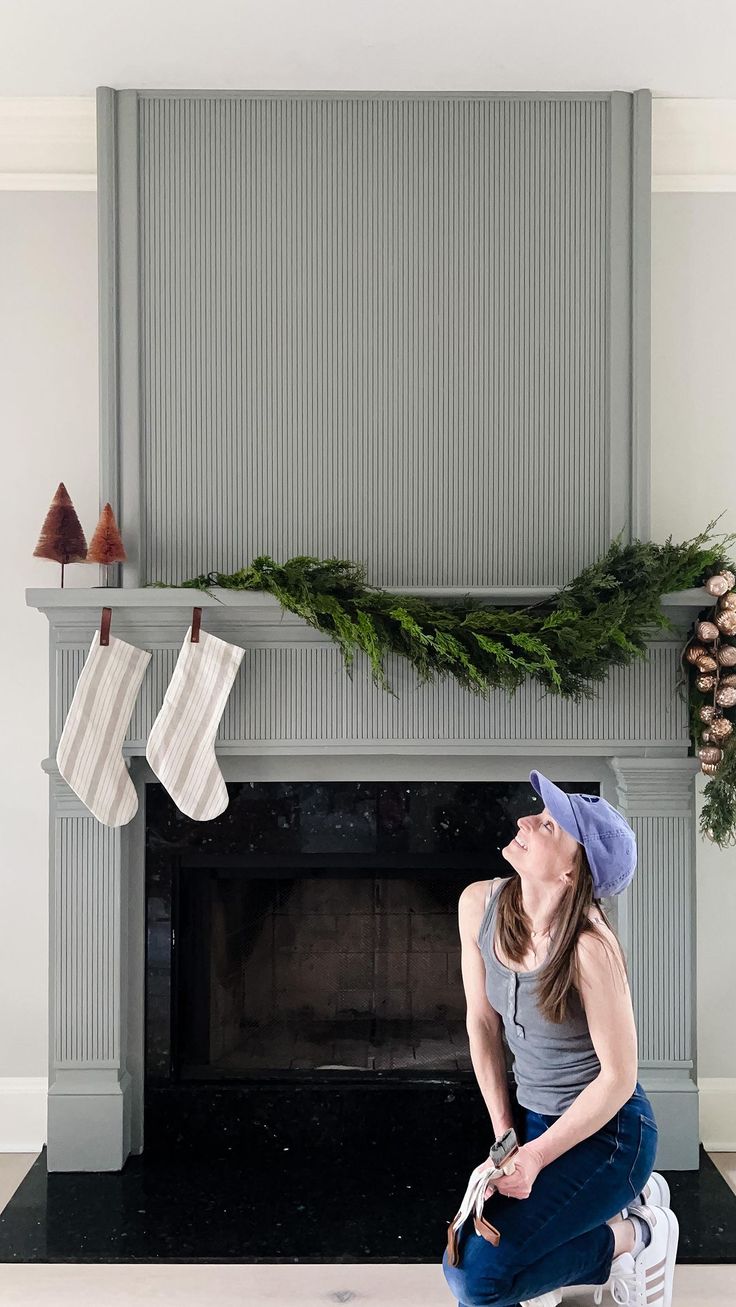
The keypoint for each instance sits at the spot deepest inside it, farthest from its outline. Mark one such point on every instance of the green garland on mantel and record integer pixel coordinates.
(567, 641)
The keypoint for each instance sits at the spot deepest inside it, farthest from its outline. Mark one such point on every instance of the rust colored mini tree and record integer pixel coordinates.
(107, 545)
(62, 538)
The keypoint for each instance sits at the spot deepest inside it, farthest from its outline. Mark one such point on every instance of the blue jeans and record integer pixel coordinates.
(558, 1235)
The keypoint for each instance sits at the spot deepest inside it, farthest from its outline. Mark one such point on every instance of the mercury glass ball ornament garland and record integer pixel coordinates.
(711, 653)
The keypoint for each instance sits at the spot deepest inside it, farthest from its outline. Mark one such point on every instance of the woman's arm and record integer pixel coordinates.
(607, 1001)
(484, 1025)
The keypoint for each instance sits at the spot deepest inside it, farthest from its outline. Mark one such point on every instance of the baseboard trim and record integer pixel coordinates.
(717, 1102)
(22, 1113)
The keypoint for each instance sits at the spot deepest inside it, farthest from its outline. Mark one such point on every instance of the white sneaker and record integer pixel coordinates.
(656, 1193)
(646, 1280)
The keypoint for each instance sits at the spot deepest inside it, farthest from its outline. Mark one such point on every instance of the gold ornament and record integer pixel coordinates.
(728, 600)
(707, 663)
(730, 679)
(717, 585)
(726, 621)
(697, 651)
(707, 713)
(726, 696)
(707, 631)
(710, 768)
(720, 729)
(711, 753)
(706, 683)
(727, 655)
(729, 577)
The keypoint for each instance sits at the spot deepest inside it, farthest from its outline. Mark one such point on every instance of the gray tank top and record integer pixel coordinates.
(551, 1063)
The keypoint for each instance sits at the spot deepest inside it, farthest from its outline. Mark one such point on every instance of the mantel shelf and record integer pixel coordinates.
(71, 597)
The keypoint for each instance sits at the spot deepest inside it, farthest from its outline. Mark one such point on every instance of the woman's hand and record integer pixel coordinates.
(528, 1163)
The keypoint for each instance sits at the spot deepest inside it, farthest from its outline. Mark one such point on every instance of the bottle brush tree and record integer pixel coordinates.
(106, 546)
(62, 538)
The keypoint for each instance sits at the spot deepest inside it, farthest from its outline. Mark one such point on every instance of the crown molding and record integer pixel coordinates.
(693, 145)
(49, 143)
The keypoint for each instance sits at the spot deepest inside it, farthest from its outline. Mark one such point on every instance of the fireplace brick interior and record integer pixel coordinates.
(326, 972)
(314, 927)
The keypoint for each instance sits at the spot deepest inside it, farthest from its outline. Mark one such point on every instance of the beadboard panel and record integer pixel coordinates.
(395, 328)
(86, 944)
(295, 695)
(662, 934)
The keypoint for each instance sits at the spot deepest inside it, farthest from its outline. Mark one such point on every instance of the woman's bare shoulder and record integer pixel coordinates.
(473, 895)
(476, 896)
(473, 902)
(591, 942)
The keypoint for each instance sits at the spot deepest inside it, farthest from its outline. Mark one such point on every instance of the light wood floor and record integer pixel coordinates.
(363, 1285)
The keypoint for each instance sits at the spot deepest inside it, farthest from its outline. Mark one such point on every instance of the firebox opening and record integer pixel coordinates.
(311, 929)
(319, 973)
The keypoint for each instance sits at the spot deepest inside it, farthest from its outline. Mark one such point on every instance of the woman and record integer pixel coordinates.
(541, 963)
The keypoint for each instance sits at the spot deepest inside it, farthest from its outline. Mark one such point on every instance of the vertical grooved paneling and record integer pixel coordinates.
(662, 933)
(377, 328)
(302, 694)
(87, 943)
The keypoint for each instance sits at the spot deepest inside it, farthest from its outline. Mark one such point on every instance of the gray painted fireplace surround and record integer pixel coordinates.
(407, 329)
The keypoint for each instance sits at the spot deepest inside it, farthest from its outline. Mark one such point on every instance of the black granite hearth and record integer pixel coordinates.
(229, 1175)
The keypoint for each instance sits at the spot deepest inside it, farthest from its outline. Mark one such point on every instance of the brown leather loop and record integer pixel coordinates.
(482, 1226)
(488, 1231)
(105, 626)
(196, 622)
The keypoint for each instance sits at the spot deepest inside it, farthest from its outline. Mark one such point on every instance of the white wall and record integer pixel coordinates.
(48, 420)
(48, 430)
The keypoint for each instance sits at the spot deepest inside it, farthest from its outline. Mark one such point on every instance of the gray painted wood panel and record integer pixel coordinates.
(292, 705)
(299, 696)
(395, 328)
(86, 944)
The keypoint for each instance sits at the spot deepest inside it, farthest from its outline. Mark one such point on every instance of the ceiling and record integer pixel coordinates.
(674, 48)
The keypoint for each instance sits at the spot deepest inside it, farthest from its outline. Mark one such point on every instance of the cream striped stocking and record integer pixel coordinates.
(181, 746)
(89, 753)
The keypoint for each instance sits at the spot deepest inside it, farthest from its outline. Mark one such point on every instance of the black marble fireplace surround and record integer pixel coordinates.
(235, 1173)
(326, 1159)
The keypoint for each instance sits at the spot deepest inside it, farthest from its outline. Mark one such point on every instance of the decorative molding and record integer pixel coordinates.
(415, 353)
(22, 1113)
(47, 143)
(693, 145)
(655, 786)
(55, 600)
(718, 1113)
(86, 980)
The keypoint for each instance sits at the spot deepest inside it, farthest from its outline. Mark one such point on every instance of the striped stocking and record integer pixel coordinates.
(89, 753)
(181, 746)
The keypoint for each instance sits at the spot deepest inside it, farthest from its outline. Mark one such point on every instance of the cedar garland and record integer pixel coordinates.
(567, 642)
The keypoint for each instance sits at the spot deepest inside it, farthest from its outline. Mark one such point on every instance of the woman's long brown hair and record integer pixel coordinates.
(559, 974)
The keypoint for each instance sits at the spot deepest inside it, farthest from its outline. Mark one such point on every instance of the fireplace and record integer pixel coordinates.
(307, 751)
(406, 454)
(312, 929)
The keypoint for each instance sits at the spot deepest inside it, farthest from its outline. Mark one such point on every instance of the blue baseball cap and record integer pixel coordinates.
(606, 836)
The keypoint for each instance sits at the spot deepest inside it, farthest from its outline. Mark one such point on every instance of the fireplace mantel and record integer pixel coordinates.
(149, 598)
(294, 712)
